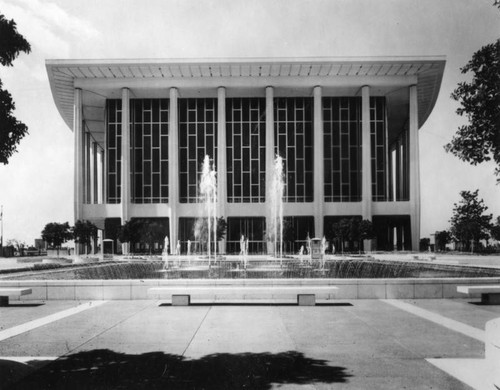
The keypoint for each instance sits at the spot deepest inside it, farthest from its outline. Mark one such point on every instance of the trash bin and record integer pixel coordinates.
(316, 249)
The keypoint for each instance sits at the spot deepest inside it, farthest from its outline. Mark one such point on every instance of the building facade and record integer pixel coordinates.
(346, 129)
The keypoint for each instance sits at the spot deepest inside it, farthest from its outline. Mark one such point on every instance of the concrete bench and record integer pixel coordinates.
(6, 292)
(181, 295)
(489, 294)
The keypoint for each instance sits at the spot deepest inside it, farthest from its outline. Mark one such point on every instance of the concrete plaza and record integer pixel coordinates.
(146, 344)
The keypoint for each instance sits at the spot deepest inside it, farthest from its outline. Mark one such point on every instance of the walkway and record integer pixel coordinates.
(359, 344)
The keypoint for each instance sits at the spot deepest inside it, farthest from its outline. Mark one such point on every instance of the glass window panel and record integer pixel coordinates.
(164, 148)
(191, 116)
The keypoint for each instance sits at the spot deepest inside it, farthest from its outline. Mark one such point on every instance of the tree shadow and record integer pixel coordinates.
(106, 369)
(21, 304)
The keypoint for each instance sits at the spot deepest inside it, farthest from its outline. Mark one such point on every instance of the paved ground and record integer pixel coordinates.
(358, 344)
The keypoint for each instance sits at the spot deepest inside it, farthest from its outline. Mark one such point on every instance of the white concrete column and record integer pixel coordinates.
(366, 183)
(173, 167)
(414, 169)
(88, 169)
(221, 167)
(95, 181)
(78, 168)
(125, 157)
(319, 168)
(103, 175)
(269, 149)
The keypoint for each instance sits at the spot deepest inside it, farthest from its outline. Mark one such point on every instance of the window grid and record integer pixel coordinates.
(342, 149)
(378, 140)
(246, 150)
(197, 138)
(293, 137)
(113, 149)
(149, 150)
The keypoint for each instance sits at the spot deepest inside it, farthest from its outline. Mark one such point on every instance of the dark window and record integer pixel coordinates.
(149, 150)
(197, 123)
(294, 143)
(245, 135)
(342, 146)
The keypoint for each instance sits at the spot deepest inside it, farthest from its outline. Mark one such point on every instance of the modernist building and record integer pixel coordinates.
(346, 128)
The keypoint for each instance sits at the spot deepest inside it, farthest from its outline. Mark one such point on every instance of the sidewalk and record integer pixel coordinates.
(360, 344)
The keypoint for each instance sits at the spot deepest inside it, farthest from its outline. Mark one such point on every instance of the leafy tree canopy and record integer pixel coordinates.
(11, 130)
(479, 100)
(131, 231)
(84, 232)
(468, 222)
(495, 230)
(11, 42)
(55, 234)
(200, 229)
(443, 237)
(18, 244)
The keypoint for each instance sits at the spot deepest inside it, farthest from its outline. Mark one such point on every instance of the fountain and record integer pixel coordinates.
(208, 193)
(276, 193)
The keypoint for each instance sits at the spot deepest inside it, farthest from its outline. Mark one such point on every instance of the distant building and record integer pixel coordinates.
(40, 244)
(347, 129)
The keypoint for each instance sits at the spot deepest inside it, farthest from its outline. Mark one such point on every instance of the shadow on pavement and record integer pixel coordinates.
(25, 304)
(105, 369)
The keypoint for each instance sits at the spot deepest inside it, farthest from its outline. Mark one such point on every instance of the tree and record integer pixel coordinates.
(366, 231)
(11, 130)
(495, 230)
(56, 234)
(340, 231)
(151, 233)
(424, 244)
(17, 244)
(479, 100)
(468, 224)
(130, 231)
(84, 232)
(200, 230)
(442, 237)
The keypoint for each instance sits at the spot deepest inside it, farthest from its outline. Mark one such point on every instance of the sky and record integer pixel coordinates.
(36, 187)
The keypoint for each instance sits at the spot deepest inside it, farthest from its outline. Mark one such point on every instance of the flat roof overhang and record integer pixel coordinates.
(103, 79)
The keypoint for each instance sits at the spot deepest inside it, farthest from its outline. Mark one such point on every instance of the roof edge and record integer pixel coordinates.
(248, 60)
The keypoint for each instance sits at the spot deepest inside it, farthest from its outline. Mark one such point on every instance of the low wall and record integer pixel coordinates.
(431, 288)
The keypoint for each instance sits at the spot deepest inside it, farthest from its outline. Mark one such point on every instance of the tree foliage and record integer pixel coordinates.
(424, 244)
(18, 244)
(479, 140)
(495, 230)
(151, 233)
(352, 230)
(442, 237)
(84, 232)
(56, 234)
(201, 229)
(11, 42)
(469, 224)
(366, 231)
(130, 231)
(11, 130)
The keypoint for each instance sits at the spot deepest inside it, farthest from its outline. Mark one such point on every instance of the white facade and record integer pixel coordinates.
(406, 87)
